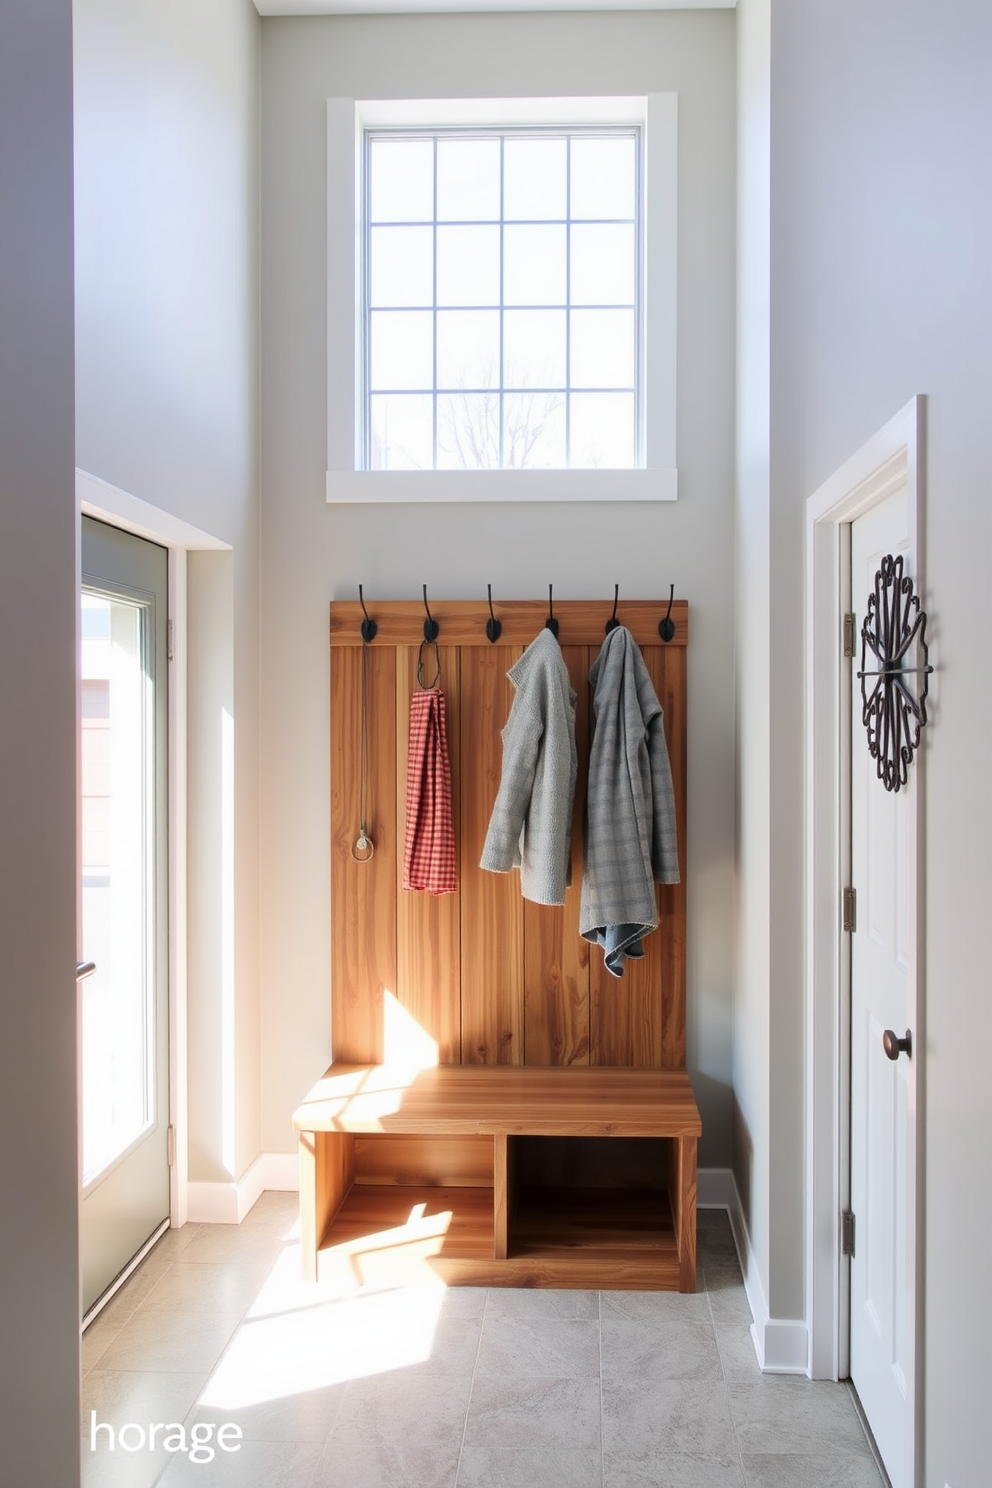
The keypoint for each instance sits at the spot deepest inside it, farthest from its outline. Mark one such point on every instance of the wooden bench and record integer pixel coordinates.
(506, 1175)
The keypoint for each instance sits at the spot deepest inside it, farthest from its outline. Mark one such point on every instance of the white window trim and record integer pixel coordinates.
(657, 480)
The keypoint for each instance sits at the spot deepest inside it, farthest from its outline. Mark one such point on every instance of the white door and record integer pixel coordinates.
(883, 1089)
(123, 897)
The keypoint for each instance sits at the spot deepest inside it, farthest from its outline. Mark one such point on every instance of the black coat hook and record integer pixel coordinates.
(493, 626)
(431, 626)
(666, 627)
(613, 622)
(369, 626)
(551, 623)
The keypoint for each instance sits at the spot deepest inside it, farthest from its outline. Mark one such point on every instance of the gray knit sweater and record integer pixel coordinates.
(629, 829)
(531, 824)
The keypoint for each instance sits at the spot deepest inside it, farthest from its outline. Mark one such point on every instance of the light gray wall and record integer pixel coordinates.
(881, 244)
(39, 1265)
(752, 1134)
(312, 552)
(167, 410)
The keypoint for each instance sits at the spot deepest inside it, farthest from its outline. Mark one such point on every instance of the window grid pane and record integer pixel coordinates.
(480, 430)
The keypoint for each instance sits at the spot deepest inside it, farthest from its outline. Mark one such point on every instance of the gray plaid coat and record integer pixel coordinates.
(629, 835)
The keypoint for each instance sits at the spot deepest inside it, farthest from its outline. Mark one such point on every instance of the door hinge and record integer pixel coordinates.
(850, 910)
(847, 1233)
(849, 638)
(168, 646)
(171, 1145)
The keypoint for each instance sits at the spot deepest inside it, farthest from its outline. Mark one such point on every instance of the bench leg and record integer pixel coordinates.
(683, 1196)
(327, 1171)
(503, 1182)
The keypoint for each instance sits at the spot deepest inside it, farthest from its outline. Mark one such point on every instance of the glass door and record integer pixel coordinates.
(123, 894)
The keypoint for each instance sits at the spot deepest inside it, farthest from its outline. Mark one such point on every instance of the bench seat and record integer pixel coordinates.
(495, 1175)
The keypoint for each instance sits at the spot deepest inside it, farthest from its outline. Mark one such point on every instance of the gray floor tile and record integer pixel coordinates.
(666, 1416)
(256, 1464)
(463, 1302)
(218, 1243)
(98, 1337)
(784, 1414)
(724, 1287)
(739, 1356)
(675, 1348)
(454, 1348)
(173, 1243)
(186, 1343)
(671, 1470)
(387, 1462)
(511, 1467)
(210, 1287)
(129, 1297)
(538, 1302)
(713, 1232)
(395, 1432)
(555, 1348)
(275, 1209)
(535, 1415)
(308, 1416)
(802, 1470)
(655, 1307)
(503, 1388)
(118, 1396)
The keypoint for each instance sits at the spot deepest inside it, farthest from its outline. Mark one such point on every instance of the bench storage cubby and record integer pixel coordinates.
(514, 1176)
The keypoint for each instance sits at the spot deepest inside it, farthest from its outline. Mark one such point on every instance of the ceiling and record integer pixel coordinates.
(410, 7)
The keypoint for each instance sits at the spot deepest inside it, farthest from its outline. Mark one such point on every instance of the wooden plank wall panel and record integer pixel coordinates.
(428, 926)
(668, 672)
(639, 1019)
(556, 958)
(491, 905)
(363, 895)
(492, 979)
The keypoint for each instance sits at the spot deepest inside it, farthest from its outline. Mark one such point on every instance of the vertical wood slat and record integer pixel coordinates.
(556, 958)
(639, 1019)
(668, 672)
(492, 909)
(428, 926)
(363, 895)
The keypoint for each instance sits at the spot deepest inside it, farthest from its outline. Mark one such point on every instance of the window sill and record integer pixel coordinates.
(358, 487)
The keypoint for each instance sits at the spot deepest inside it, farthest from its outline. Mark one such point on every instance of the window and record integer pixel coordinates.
(501, 305)
(501, 300)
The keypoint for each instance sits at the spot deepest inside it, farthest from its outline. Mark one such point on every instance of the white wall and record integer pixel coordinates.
(166, 395)
(752, 1135)
(881, 244)
(39, 1268)
(312, 552)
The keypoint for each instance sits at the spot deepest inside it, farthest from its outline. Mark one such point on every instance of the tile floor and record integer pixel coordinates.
(423, 1387)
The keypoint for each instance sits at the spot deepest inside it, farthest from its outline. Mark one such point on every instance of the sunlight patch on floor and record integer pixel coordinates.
(299, 1337)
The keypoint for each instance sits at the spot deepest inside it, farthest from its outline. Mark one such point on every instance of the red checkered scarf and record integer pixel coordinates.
(429, 852)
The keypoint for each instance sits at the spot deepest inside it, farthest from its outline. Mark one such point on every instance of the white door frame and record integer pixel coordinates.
(97, 498)
(891, 458)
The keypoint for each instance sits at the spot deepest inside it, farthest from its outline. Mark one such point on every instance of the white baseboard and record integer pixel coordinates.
(781, 1344)
(228, 1203)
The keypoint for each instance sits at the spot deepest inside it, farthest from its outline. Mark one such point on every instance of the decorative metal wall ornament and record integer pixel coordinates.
(892, 710)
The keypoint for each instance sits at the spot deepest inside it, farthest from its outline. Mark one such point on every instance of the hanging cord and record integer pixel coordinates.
(364, 847)
(421, 672)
